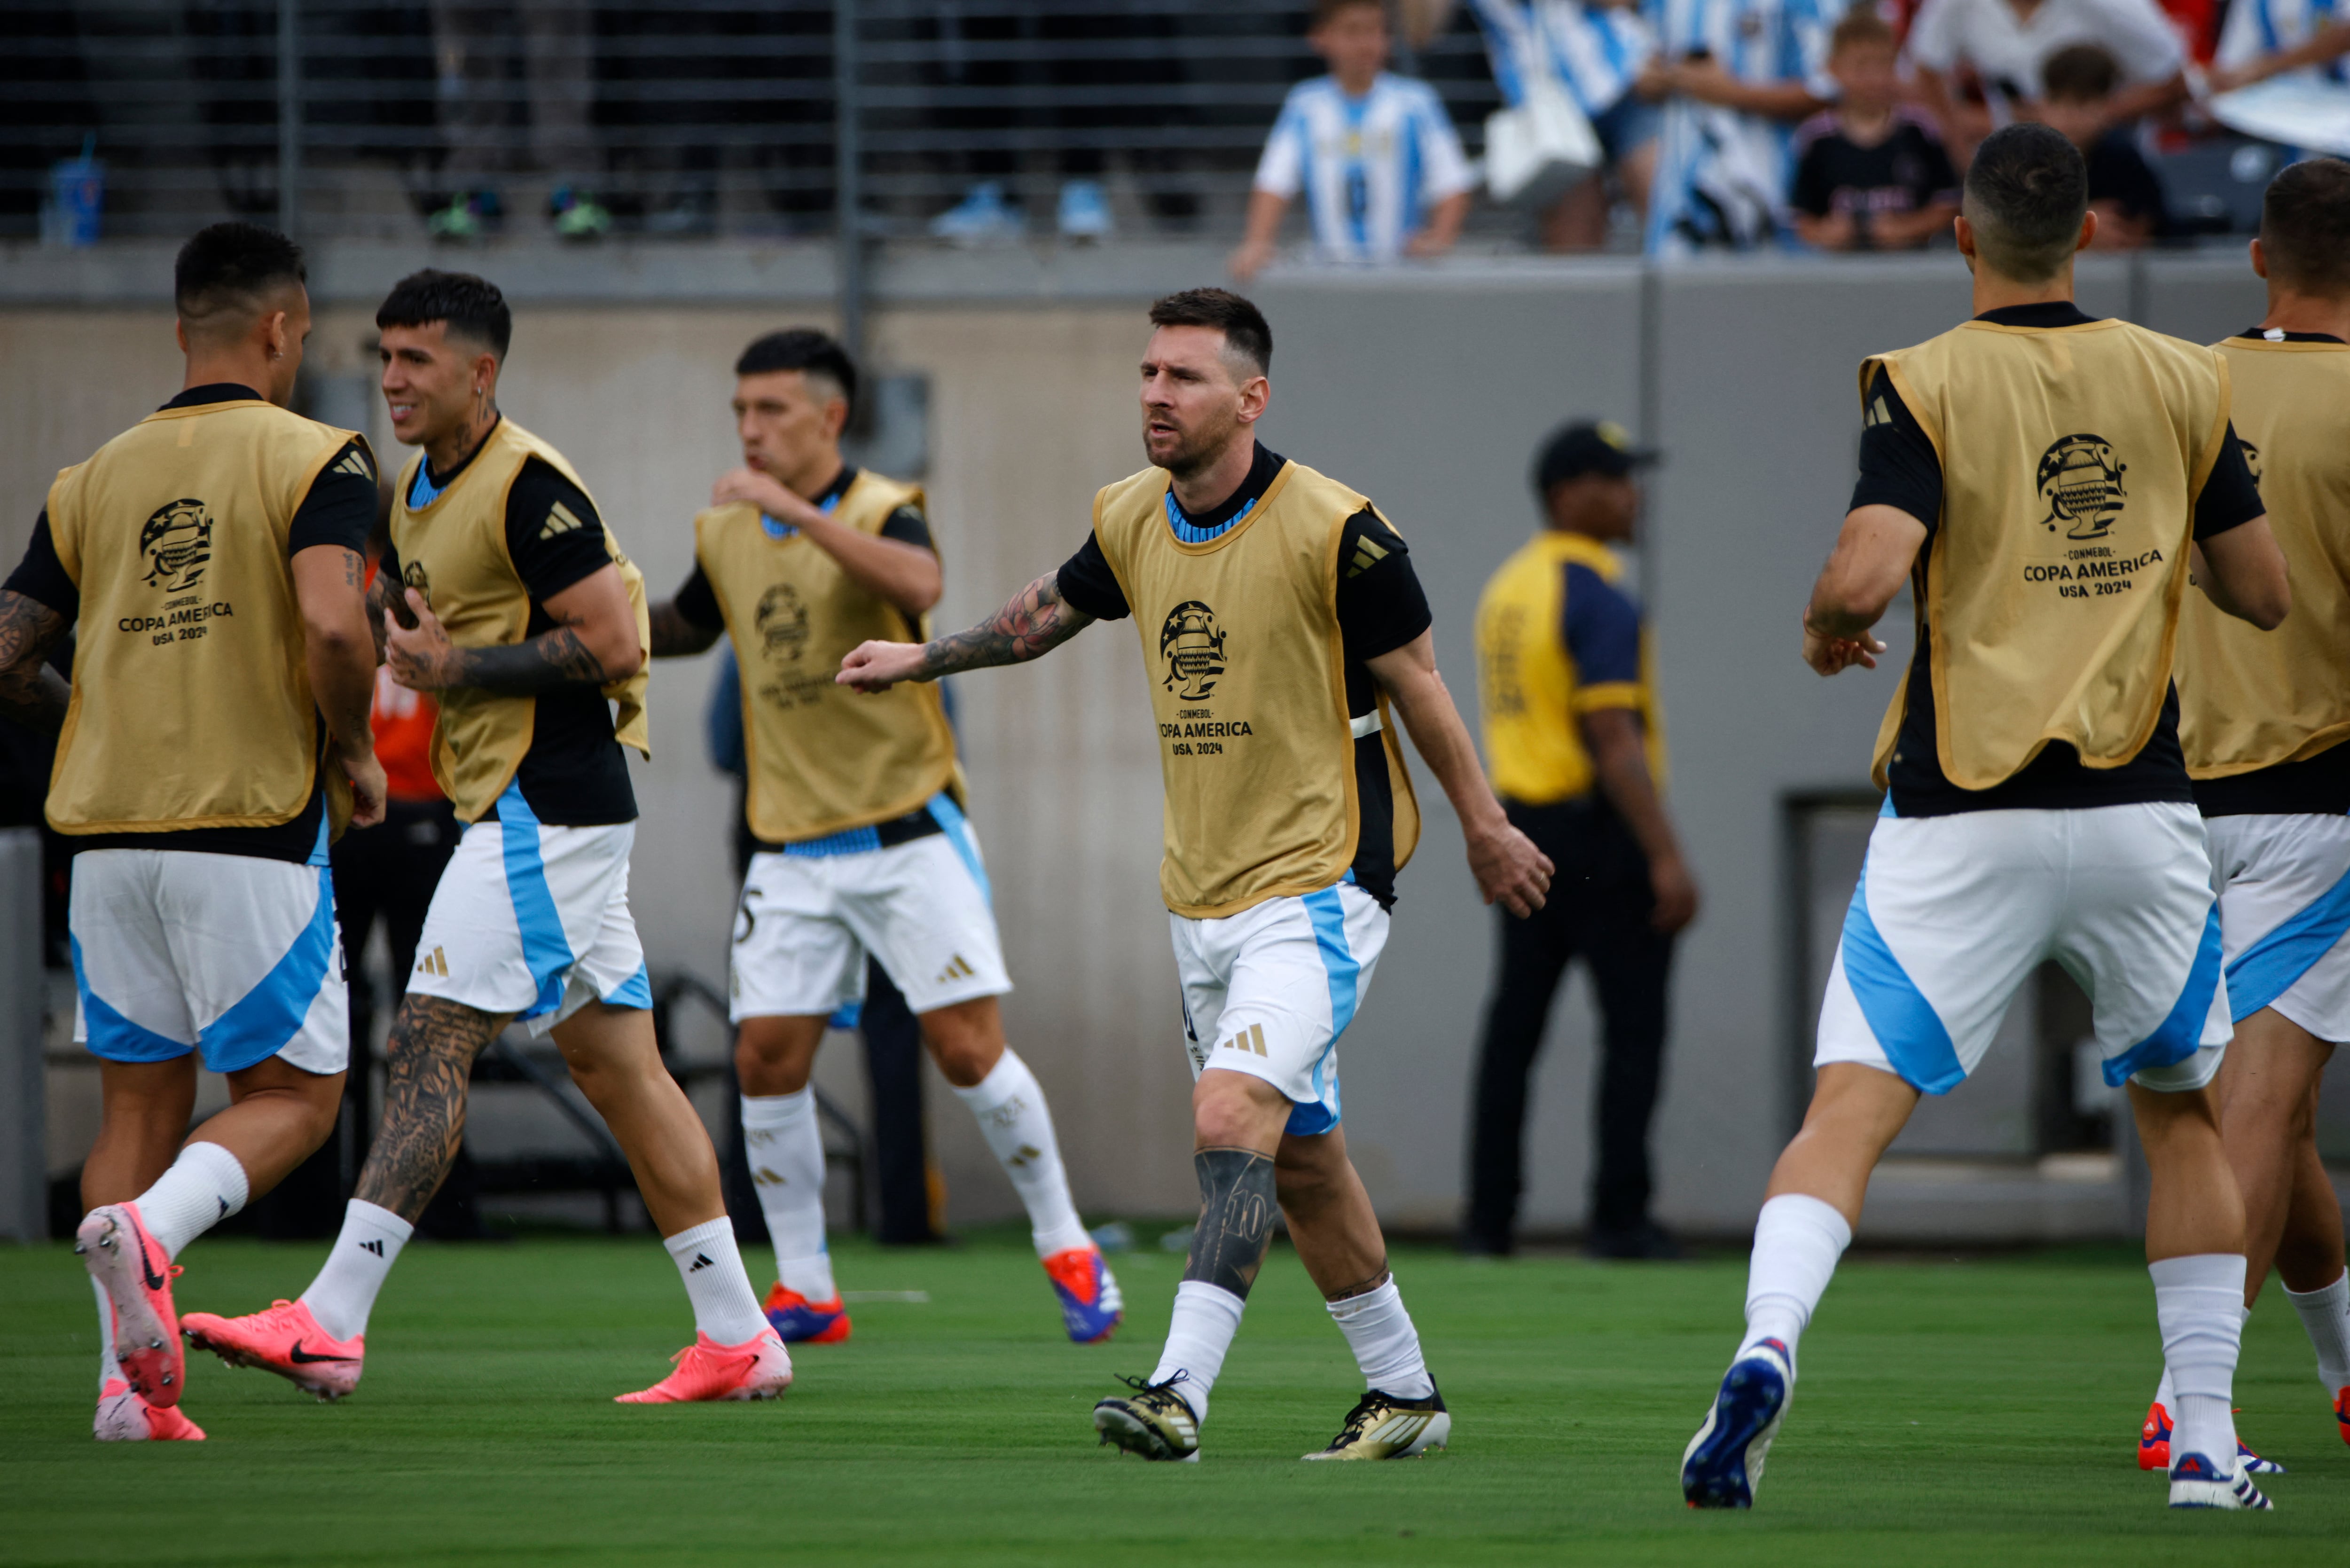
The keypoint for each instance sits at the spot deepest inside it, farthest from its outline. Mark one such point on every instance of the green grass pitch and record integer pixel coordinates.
(1958, 1411)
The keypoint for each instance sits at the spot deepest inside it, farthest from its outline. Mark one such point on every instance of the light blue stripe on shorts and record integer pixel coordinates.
(2270, 967)
(545, 951)
(1329, 914)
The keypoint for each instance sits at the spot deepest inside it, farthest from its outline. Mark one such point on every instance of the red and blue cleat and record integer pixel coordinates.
(2154, 1445)
(799, 1321)
(1091, 1304)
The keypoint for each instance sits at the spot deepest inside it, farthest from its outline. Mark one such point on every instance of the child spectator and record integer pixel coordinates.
(1376, 154)
(1870, 173)
(2077, 87)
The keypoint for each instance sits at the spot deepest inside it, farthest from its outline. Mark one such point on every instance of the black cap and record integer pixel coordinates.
(1587, 446)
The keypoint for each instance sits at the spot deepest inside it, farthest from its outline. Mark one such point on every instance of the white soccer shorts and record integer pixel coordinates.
(2284, 911)
(176, 951)
(807, 921)
(533, 919)
(1954, 913)
(1268, 991)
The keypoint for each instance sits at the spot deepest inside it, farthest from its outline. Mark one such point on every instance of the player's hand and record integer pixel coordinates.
(421, 658)
(369, 788)
(1676, 895)
(1250, 259)
(1834, 655)
(1508, 869)
(763, 491)
(878, 666)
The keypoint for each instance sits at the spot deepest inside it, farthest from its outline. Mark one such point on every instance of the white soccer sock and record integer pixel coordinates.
(785, 1148)
(344, 1293)
(109, 1369)
(1797, 1241)
(2325, 1313)
(204, 1186)
(726, 1307)
(1018, 1125)
(2166, 1396)
(2200, 1302)
(1206, 1318)
(1385, 1345)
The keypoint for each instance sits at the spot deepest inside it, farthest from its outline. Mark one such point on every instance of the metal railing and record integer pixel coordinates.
(684, 117)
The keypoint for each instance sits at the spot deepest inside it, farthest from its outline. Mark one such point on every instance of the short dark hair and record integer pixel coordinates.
(471, 306)
(229, 266)
(806, 350)
(1242, 324)
(1327, 11)
(2026, 193)
(2083, 73)
(1861, 24)
(2306, 225)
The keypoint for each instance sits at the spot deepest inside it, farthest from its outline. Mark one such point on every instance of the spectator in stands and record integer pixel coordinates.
(2264, 38)
(1596, 50)
(1736, 77)
(476, 44)
(1870, 173)
(1375, 154)
(2004, 45)
(2077, 87)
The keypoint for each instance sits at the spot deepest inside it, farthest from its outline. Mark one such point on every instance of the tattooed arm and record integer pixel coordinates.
(674, 635)
(595, 645)
(30, 692)
(430, 1062)
(1036, 622)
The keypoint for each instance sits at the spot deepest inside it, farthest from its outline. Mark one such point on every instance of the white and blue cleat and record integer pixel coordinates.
(2196, 1482)
(1723, 1463)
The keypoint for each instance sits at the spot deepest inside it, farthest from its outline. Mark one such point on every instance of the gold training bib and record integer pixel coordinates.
(2071, 460)
(2246, 698)
(1241, 642)
(823, 758)
(452, 550)
(189, 636)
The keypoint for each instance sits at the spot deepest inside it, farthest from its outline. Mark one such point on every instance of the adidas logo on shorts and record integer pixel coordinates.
(1249, 1039)
(433, 962)
(960, 968)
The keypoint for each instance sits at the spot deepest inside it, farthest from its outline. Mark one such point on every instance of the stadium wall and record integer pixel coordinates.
(1426, 390)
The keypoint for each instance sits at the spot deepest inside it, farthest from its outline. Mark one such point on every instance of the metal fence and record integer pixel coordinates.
(676, 117)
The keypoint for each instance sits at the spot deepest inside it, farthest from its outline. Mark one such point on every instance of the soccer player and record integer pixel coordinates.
(855, 806)
(1281, 624)
(2042, 479)
(506, 595)
(215, 737)
(2262, 720)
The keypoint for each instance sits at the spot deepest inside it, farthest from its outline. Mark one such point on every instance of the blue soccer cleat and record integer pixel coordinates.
(2154, 1447)
(1723, 1463)
(1091, 1305)
(2196, 1482)
(799, 1321)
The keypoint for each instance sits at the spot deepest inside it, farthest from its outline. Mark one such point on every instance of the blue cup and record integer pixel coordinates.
(76, 197)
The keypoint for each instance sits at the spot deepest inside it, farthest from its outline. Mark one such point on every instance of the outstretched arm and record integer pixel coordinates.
(30, 692)
(1508, 868)
(1036, 622)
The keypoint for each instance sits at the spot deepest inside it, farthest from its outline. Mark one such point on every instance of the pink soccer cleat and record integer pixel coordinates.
(124, 1418)
(757, 1369)
(2154, 1445)
(131, 1267)
(286, 1340)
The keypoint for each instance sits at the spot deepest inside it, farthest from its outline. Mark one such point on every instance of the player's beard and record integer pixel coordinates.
(1198, 447)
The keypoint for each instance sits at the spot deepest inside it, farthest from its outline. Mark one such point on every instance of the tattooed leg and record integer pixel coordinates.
(433, 1047)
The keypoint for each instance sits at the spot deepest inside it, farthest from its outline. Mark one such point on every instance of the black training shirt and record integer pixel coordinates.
(574, 774)
(1899, 468)
(697, 601)
(1380, 608)
(339, 509)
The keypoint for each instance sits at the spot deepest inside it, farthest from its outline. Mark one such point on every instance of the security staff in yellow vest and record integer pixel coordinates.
(2263, 719)
(2040, 479)
(863, 844)
(1577, 749)
(1283, 630)
(505, 594)
(214, 737)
